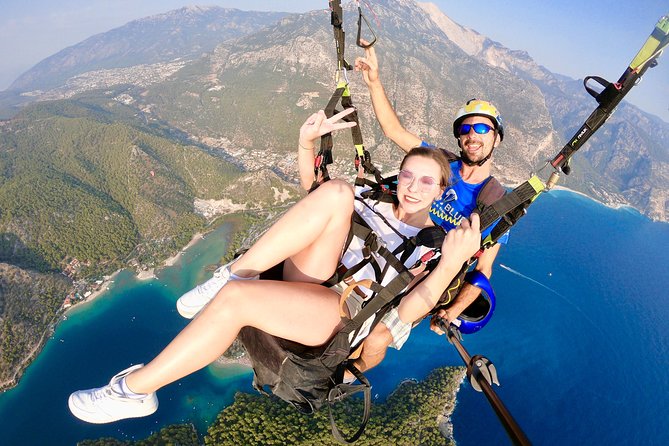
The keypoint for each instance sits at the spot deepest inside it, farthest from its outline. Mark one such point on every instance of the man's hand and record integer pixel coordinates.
(368, 64)
(441, 314)
(462, 242)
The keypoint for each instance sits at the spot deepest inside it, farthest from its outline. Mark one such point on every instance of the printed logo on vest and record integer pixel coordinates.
(450, 195)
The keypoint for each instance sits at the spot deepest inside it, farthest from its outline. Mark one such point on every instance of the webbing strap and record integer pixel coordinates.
(342, 95)
(324, 156)
(431, 237)
(342, 391)
(614, 92)
(508, 209)
(337, 22)
(384, 296)
(384, 191)
(361, 230)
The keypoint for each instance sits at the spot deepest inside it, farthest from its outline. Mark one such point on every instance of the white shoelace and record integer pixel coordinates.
(209, 284)
(104, 393)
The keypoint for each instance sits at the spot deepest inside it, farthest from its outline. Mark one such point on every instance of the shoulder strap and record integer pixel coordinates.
(509, 209)
(384, 190)
(491, 191)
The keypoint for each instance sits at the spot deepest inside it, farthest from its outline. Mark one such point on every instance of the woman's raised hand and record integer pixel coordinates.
(318, 125)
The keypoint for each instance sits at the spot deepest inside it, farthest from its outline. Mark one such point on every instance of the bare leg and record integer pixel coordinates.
(302, 312)
(373, 349)
(312, 234)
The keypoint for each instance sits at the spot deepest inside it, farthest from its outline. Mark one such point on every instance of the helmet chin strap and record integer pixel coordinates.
(465, 159)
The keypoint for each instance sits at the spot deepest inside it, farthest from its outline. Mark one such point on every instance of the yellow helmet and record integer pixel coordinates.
(477, 107)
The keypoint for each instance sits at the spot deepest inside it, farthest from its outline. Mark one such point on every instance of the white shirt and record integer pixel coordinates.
(354, 255)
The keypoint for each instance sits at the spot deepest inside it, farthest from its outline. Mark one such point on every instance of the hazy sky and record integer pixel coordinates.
(572, 37)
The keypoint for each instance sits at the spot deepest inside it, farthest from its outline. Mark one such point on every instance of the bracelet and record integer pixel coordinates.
(305, 148)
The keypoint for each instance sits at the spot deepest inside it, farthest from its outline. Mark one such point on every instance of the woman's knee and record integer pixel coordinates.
(337, 192)
(232, 298)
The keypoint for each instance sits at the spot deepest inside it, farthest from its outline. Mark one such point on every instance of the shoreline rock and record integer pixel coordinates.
(444, 420)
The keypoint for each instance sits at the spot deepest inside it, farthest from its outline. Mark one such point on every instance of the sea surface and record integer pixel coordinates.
(580, 340)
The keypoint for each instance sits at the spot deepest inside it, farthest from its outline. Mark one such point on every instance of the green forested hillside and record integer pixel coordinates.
(177, 435)
(76, 184)
(415, 414)
(410, 416)
(29, 304)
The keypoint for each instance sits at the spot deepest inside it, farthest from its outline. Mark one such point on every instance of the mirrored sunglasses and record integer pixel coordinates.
(479, 128)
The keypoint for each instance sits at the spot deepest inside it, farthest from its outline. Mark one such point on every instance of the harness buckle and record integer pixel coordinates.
(372, 244)
(339, 71)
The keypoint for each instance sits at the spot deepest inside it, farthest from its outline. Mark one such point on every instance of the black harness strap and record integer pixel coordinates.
(337, 22)
(342, 95)
(324, 156)
(382, 298)
(507, 210)
(342, 391)
(362, 157)
(384, 190)
(614, 92)
(431, 237)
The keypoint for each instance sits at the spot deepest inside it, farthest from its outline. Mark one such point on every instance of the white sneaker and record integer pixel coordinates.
(196, 299)
(108, 403)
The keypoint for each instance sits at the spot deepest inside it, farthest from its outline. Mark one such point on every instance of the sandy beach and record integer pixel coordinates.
(172, 260)
(95, 294)
(142, 275)
(146, 274)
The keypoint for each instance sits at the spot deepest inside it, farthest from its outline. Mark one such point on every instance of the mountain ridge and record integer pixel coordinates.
(184, 33)
(426, 58)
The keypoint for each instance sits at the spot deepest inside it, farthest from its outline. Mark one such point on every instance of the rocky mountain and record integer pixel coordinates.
(182, 34)
(625, 162)
(246, 97)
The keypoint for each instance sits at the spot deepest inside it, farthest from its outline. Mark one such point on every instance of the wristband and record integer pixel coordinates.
(305, 148)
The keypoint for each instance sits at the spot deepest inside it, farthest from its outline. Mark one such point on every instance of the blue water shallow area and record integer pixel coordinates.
(579, 340)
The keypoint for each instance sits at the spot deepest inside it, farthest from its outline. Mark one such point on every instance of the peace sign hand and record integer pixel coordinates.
(318, 125)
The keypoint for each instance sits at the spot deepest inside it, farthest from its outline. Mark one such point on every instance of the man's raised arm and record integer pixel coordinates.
(390, 123)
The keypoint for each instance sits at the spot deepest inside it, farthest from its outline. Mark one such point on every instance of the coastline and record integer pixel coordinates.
(170, 261)
(64, 313)
(608, 204)
(566, 189)
(444, 421)
(147, 274)
(104, 287)
(34, 352)
(60, 316)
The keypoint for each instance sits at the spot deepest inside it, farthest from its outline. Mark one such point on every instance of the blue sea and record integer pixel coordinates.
(580, 341)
